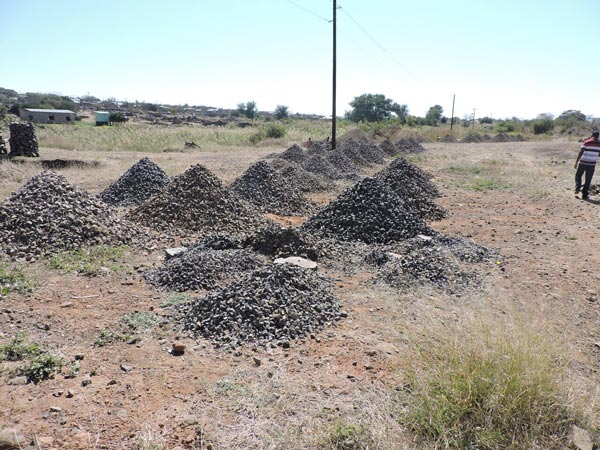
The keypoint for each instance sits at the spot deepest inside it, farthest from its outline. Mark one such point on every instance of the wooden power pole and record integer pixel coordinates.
(333, 114)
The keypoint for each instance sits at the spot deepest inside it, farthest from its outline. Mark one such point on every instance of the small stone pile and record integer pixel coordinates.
(352, 152)
(436, 261)
(22, 140)
(294, 154)
(266, 189)
(199, 268)
(369, 212)
(278, 242)
(448, 139)
(270, 306)
(303, 180)
(472, 138)
(414, 187)
(48, 215)
(388, 148)
(317, 164)
(197, 201)
(409, 145)
(138, 184)
(370, 151)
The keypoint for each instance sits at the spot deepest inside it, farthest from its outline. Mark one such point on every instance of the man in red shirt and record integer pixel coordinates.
(586, 163)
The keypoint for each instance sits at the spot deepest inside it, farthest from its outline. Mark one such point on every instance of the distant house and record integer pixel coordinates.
(47, 115)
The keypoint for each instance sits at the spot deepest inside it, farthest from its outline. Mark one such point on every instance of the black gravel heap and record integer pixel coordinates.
(280, 242)
(197, 201)
(138, 184)
(48, 215)
(199, 268)
(351, 150)
(220, 241)
(369, 212)
(414, 187)
(371, 152)
(265, 188)
(295, 154)
(341, 162)
(388, 148)
(270, 306)
(302, 179)
(438, 261)
(409, 145)
(319, 165)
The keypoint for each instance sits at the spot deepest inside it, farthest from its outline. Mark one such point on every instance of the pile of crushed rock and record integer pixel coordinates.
(266, 189)
(270, 307)
(369, 212)
(140, 182)
(48, 215)
(197, 201)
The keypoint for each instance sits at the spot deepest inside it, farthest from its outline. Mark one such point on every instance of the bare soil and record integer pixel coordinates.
(143, 397)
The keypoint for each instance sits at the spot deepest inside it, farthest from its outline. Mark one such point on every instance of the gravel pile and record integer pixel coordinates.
(138, 184)
(502, 137)
(388, 148)
(317, 164)
(410, 145)
(270, 306)
(351, 150)
(369, 212)
(472, 138)
(278, 242)
(294, 154)
(449, 139)
(341, 162)
(199, 268)
(466, 250)
(22, 140)
(197, 201)
(303, 180)
(421, 261)
(265, 188)
(371, 152)
(48, 215)
(414, 187)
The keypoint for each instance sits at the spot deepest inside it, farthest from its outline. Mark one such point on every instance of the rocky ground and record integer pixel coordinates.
(153, 385)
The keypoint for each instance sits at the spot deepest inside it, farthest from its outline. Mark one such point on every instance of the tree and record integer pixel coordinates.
(401, 111)
(281, 112)
(434, 115)
(373, 108)
(571, 118)
(485, 119)
(248, 109)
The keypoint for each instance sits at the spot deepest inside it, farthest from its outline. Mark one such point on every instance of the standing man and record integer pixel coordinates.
(586, 163)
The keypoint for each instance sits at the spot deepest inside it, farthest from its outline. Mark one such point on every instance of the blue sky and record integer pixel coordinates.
(503, 58)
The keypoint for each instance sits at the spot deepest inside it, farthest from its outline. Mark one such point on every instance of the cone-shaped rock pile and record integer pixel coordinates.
(414, 187)
(271, 305)
(369, 212)
(138, 184)
(48, 215)
(199, 268)
(197, 201)
(302, 179)
(265, 188)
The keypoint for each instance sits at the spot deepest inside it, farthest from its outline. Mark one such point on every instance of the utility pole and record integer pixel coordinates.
(474, 109)
(452, 119)
(333, 118)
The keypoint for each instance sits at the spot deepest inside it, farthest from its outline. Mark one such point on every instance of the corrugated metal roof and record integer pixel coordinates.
(50, 111)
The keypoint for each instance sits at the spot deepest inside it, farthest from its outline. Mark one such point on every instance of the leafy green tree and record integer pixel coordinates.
(544, 123)
(248, 109)
(281, 112)
(485, 119)
(401, 111)
(434, 115)
(571, 118)
(373, 108)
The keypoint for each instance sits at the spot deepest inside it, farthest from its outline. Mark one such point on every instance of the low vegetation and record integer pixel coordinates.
(13, 279)
(489, 391)
(90, 261)
(39, 364)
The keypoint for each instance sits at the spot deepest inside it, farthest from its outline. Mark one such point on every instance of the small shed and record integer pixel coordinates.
(47, 115)
(102, 117)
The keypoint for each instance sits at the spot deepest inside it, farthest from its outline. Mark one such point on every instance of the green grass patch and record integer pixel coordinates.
(487, 184)
(106, 337)
(13, 279)
(175, 298)
(90, 260)
(345, 436)
(140, 321)
(17, 349)
(489, 391)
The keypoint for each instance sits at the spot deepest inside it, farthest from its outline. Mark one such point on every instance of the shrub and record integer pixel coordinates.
(43, 367)
(542, 126)
(275, 131)
(13, 279)
(17, 350)
(489, 392)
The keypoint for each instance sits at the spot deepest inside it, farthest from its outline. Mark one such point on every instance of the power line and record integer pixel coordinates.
(309, 11)
(373, 39)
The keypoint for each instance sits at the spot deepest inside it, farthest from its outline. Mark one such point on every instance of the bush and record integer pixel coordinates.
(13, 279)
(275, 131)
(42, 367)
(489, 392)
(542, 126)
(16, 349)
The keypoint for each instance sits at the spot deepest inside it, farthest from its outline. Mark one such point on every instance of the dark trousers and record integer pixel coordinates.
(589, 173)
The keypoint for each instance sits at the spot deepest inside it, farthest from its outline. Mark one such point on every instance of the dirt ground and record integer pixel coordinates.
(514, 197)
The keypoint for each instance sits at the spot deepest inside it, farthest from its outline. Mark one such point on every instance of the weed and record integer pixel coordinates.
(72, 370)
(91, 260)
(106, 337)
(42, 367)
(348, 437)
(17, 350)
(140, 321)
(13, 279)
(485, 184)
(489, 392)
(175, 298)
